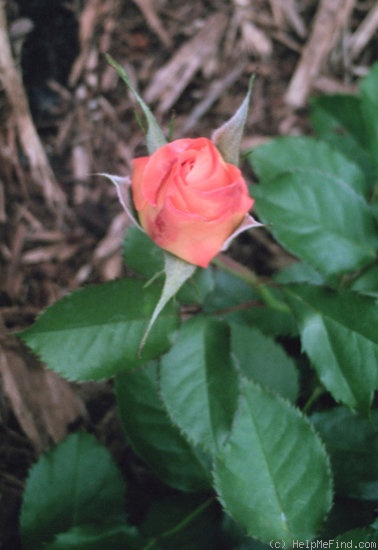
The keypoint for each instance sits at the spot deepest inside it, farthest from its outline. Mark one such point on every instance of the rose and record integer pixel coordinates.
(189, 200)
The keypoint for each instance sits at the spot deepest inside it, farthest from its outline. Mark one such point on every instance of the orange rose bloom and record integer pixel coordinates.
(189, 200)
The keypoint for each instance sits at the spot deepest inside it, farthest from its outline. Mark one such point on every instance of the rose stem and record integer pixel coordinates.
(248, 276)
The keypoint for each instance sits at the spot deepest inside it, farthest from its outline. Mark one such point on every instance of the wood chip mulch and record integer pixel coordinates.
(65, 117)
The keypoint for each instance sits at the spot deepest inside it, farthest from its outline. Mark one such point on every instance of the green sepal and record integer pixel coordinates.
(177, 271)
(228, 137)
(154, 135)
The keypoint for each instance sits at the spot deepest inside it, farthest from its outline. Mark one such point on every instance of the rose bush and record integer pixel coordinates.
(189, 200)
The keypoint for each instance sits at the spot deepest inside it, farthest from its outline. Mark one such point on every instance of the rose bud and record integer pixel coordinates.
(189, 200)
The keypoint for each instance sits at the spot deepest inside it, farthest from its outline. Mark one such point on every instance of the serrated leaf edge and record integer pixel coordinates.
(299, 414)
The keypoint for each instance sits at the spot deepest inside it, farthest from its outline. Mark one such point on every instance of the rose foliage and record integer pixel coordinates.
(251, 400)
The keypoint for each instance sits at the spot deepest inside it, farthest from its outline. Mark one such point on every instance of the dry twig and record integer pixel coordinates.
(213, 94)
(330, 19)
(286, 10)
(172, 79)
(365, 32)
(29, 141)
(94, 13)
(43, 403)
(153, 21)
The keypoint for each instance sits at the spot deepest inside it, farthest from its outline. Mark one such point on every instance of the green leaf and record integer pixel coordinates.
(177, 272)
(97, 537)
(262, 360)
(197, 288)
(298, 272)
(339, 120)
(369, 107)
(351, 124)
(141, 254)
(342, 115)
(306, 156)
(229, 292)
(339, 334)
(236, 301)
(96, 332)
(70, 487)
(235, 537)
(182, 521)
(154, 137)
(320, 219)
(356, 538)
(199, 385)
(273, 475)
(367, 282)
(369, 85)
(152, 434)
(352, 442)
(228, 137)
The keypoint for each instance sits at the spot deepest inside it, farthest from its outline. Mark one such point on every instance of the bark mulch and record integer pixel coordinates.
(65, 116)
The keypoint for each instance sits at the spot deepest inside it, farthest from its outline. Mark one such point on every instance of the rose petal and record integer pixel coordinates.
(139, 198)
(215, 202)
(150, 172)
(189, 237)
(189, 200)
